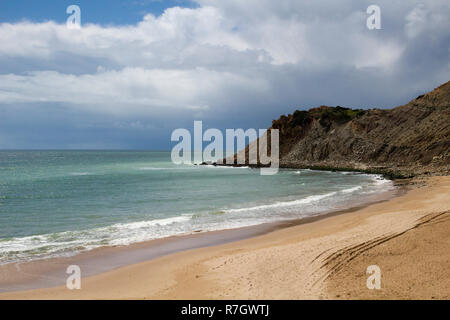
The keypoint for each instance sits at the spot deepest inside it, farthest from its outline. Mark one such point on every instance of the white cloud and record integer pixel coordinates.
(225, 54)
(427, 19)
(131, 90)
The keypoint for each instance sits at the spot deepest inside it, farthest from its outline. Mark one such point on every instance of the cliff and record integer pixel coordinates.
(409, 140)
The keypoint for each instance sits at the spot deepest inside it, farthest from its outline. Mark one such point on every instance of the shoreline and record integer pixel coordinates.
(51, 272)
(384, 171)
(291, 262)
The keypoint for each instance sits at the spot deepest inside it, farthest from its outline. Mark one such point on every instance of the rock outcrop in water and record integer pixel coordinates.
(408, 140)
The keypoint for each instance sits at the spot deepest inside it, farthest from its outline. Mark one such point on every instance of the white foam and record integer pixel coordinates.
(47, 245)
(159, 169)
(151, 223)
(350, 190)
(306, 200)
(224, 167)
(349, 172)
(70, 242)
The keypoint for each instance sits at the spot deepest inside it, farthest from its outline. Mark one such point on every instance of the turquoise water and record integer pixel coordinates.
(62, 202)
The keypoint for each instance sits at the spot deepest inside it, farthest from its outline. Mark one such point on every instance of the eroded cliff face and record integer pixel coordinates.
(409, 140)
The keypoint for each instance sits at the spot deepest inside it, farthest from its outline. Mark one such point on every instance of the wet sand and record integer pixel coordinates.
(320, 259)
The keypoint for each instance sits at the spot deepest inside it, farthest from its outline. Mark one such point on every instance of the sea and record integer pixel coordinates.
(60, 203)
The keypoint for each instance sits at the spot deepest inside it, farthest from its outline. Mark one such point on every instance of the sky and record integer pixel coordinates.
(136, 70)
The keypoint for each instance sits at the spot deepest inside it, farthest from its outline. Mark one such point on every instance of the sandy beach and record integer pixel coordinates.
(407, 237)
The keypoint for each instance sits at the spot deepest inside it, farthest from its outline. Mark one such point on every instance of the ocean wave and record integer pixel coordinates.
(80, 173)
(124, 233)
(151, 223)
(224, 167)
(350, 190)
(307, 200)
(71, 242)
(349, 173)
(162, 169)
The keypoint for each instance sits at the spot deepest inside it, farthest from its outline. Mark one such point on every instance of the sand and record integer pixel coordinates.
(407, 237)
